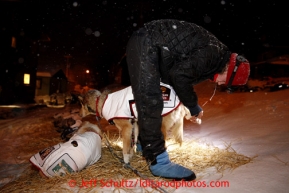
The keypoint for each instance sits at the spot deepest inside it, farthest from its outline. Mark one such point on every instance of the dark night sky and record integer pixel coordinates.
(95, 32)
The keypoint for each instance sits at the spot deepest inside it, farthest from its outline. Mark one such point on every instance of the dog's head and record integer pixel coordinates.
(59, 122)
(88, 102)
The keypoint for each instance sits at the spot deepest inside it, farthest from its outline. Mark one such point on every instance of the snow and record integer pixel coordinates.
(255, 124)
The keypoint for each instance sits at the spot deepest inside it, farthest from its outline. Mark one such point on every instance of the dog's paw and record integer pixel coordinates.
(126, 158)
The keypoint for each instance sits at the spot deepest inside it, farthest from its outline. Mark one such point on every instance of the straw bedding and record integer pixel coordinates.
(192, 154)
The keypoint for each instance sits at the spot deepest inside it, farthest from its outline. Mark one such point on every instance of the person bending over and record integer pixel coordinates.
(180, 54)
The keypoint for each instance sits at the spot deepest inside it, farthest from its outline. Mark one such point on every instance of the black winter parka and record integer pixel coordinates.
(188, 54)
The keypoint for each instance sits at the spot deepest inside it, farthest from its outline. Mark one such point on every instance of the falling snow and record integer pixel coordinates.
(255, 124)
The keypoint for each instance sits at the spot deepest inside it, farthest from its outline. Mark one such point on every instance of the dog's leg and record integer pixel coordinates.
(178, 127)
(175, 127)
(177, 131)
(166, 125)
(174, 122)
(136, 132)
(125, 126)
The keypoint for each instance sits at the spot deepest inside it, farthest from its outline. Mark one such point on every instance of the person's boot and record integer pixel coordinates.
(138, 146)
(166, 169)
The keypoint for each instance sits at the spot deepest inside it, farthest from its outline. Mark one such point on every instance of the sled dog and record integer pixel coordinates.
(81, 150)
(119, 108)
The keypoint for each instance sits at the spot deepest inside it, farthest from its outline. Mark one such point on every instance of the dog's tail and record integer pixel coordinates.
(87, 126)
(187, 113)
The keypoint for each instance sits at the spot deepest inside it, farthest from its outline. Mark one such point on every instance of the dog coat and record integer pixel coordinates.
(74, 155)
(121, 104)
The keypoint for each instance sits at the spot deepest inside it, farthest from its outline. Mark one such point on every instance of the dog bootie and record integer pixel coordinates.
(166, 169)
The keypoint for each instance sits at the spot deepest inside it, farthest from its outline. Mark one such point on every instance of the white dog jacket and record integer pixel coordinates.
(121, 104)
(74, 155)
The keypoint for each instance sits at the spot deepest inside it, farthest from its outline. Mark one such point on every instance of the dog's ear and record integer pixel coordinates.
(80, 100)
(106, 92)
(97, 93)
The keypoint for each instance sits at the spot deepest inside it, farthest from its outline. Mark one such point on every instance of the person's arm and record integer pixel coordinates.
(182, 78)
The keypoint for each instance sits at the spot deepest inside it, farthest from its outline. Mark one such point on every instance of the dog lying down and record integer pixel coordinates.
(119, 108)
(67, 123)
(83, 149)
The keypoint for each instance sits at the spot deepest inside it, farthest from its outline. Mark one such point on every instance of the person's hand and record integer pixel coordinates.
(197, 119)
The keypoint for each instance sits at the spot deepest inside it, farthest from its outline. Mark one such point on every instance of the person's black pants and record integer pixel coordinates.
(144, 73)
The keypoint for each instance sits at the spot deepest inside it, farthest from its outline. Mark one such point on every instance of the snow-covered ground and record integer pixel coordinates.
(255, 124)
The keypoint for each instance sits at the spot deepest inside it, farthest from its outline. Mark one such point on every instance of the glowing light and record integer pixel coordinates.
(13, 43)
(10, 106)
(26, 78)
